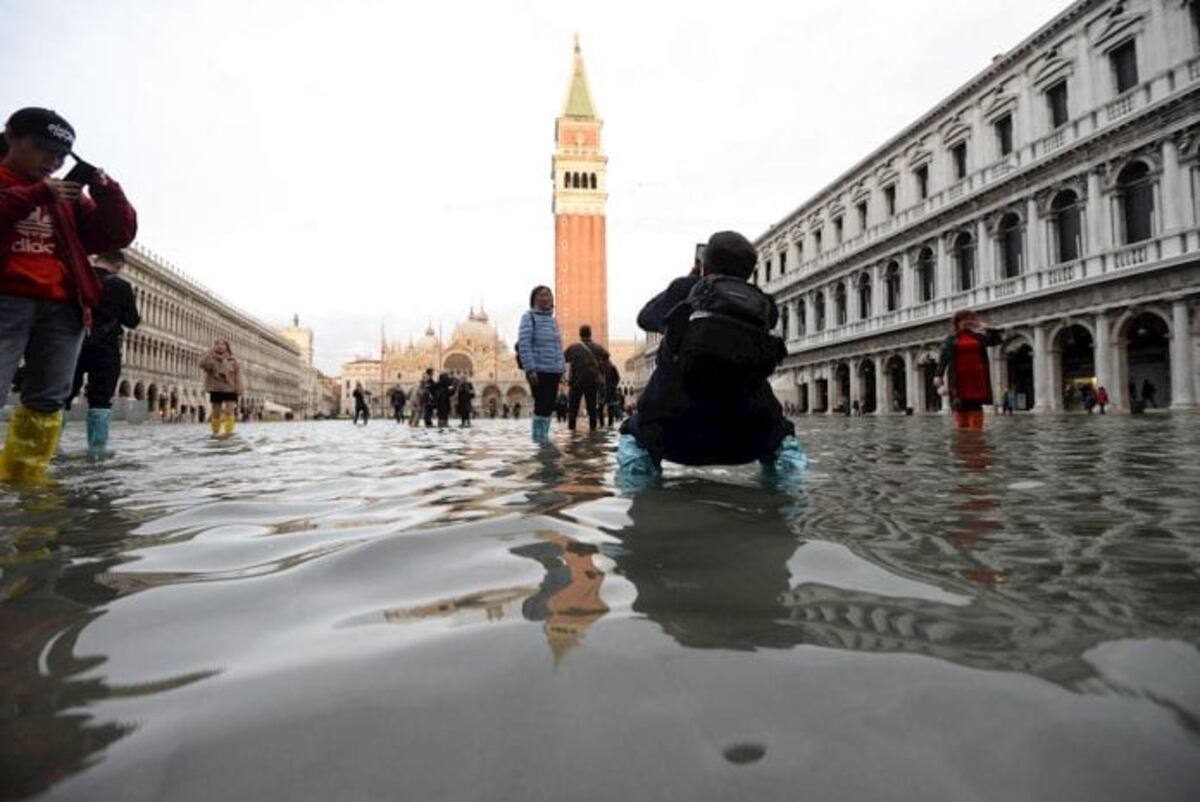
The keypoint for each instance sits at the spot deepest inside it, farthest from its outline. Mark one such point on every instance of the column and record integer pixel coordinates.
(1041, 370)
(855, 387)
(910, 380)
(907, 296)
(1172, 187)
(943, 286)
(1103, 354)
(1096, 239)
(878, 290)
(1182, 392)
(1035, 259)
(830, 308)
(984, 255)
(882, 405)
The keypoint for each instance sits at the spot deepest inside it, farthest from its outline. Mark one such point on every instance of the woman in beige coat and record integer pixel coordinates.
(223, 383)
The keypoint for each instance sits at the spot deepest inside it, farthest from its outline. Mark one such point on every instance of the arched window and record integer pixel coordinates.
(566, 180)
(1067, 225)
(784, 313)
(964, 257)
(1136, 193)
(839, 303)
(819, 308)
(574, 180)
(801, 318)
(891, 280)
(1011, 256)
(864, 296)
(925, 274)
(593, 180)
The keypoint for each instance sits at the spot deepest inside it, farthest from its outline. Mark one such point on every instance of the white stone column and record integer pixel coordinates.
(1172, 187)
(1103, 353)
(1097, 240)
(907, 283)
(1041, 370)
(882, 407)
(1182, 391)
(1035, 258)
(942, 283)
(855, 386)
(878, 290)
(910, 380)
(984, 256)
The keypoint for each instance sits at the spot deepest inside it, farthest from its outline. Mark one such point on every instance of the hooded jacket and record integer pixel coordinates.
(107, 223)
(222, 373)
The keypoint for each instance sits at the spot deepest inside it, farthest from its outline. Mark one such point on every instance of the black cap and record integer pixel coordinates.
(730, 254)
(48, 128)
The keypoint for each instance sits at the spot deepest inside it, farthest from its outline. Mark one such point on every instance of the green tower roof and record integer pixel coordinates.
(579, 98)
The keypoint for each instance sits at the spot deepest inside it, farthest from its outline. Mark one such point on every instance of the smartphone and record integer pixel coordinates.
(82, 173)
(700, 246)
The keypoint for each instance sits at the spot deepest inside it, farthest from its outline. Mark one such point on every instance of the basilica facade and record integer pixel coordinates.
(474, 351)
(1057, 193)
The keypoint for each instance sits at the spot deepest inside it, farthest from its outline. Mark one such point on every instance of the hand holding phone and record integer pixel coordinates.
(82, 173)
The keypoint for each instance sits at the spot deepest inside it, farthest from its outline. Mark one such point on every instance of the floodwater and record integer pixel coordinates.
(311, 611)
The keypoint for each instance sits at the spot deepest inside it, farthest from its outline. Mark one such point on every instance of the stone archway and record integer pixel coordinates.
(1075, 365)
(489, 401)
(927, 373)
(1018, 367)
(841, 388)
(152, 397)
(123, 390)
(866, 386)
(139, 392)
(518, 396)
(458, 365)
(822, 395)
(1144, 356)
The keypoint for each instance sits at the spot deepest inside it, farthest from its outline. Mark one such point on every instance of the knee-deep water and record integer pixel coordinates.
(313, 611)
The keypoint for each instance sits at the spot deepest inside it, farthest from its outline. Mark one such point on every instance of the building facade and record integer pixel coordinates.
(579, 172)
(473, 351)
(160, 359)
(1056, 193)
(315, 398)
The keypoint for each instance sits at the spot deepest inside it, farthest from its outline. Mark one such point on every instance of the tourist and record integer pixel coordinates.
(361, 408)
(586, 377)
(100, 357)
(1088, 398)
(705, 404)
(1149, 393)
(398, 399)
(1007, 403)
(465, 396)
(223, 383)
(505, 412)
(442, 391)
(611, 408)
(540, 355)
(48, 226)
(418, 404)
(1101, 398)
(963, 369)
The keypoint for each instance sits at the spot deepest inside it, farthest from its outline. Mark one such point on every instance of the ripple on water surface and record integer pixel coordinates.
(314, 611)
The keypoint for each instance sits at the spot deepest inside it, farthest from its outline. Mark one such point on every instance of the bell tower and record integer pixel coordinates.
(580, 192)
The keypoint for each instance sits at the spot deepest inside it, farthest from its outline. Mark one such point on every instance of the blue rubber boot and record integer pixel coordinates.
(788, 460)
(636, 469)
(541, 428)
(98, 421)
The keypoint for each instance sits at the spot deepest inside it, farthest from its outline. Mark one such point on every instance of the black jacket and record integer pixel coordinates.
(692, 429)
(117, 309)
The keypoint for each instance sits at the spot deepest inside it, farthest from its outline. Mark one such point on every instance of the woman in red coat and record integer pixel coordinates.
(963, 362)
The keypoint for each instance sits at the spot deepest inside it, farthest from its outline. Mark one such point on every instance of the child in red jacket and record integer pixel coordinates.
(48, 227)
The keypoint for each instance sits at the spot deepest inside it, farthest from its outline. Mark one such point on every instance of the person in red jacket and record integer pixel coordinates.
(48, 227)
(963, 361)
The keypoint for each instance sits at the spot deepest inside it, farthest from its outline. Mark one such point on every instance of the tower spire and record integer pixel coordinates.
(579, 97)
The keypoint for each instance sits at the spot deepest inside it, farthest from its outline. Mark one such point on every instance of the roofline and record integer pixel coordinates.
(998, 65)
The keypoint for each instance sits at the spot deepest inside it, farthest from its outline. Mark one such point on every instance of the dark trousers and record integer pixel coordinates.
(428, 414)
(587, 392)
(102, 364)
(545, 393)
(398, 412)
(361, 409)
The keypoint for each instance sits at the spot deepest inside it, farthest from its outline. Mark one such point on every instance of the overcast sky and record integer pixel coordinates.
(363, 161)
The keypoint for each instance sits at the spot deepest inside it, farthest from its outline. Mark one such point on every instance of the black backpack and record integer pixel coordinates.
(721, 335)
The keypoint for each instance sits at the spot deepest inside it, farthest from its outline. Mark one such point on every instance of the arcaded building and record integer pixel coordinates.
(1057, 193)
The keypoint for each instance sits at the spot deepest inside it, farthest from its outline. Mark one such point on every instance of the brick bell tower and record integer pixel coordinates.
(579, 166)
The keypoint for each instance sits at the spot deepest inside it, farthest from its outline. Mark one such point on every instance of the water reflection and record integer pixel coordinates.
(317, 585)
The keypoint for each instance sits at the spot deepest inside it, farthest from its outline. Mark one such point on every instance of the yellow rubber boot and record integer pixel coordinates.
(214, 422)
(31, 443)
(230, 419)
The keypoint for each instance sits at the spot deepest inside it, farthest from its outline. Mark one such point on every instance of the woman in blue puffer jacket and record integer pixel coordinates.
(539, 347)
